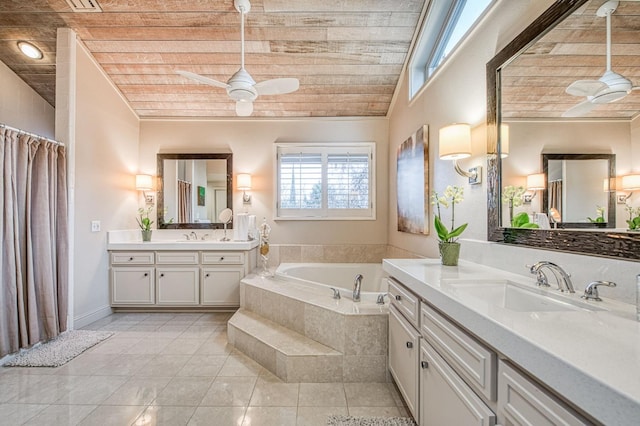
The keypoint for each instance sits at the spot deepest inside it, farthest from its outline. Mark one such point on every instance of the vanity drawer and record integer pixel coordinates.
(132, 258)
(471, 359)
(404, 301)
(222, 258)
(177, 257)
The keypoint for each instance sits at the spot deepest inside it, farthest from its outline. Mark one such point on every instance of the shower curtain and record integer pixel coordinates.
(33, 236)
(184, 201)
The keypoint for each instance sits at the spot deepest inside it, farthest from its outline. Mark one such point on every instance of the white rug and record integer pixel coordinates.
(60, 350)
(336, 420)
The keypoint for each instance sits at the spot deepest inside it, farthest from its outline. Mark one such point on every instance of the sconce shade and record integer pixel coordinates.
(244, 181)
(144, 182)
(504, 140)
(455, 142)
(536, 182)
(631, 182)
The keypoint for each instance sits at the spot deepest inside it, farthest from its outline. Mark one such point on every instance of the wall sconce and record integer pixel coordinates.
(629, 183)
(455, 144)
(535, 182)
(244, 184)
(504, 140)
(144, 183)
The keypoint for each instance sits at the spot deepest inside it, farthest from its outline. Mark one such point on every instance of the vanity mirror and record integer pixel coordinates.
(193, 189)
(526, 84)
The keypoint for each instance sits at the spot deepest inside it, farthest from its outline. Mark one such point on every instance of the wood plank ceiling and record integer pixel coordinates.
(348, 55)
(534, 83)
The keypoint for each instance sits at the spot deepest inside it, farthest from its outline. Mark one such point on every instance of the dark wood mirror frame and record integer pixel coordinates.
(611, 197)
(594, 243)
(228, 157)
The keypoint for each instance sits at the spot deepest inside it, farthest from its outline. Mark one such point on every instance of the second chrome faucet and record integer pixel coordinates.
(562, 277)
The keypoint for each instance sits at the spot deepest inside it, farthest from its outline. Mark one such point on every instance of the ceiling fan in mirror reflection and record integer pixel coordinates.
(610, 87)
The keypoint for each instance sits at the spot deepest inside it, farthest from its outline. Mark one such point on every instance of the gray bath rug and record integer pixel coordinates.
(336, 420)
(60, 350)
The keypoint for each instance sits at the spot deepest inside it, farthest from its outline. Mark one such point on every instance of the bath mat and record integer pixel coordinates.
(60, 350)
(336, 420)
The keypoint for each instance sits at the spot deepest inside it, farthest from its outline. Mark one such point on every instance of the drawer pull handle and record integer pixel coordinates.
(398, 297)
(424, 364)
(207, 276)
(161, 275)
(130, 259)
(221, 259)
(146, 274)
(409, 345)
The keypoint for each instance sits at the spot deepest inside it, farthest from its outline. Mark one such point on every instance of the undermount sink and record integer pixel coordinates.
(515, 296)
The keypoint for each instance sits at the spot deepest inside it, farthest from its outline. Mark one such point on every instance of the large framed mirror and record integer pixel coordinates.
(193, 189)
(526, 84)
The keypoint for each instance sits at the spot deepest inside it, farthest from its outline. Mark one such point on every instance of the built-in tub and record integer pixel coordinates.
(340, 276)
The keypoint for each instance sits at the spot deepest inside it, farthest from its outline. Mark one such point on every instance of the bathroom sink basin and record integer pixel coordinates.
(516, 297)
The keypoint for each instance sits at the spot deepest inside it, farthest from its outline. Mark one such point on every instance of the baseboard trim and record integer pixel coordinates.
(86, 319)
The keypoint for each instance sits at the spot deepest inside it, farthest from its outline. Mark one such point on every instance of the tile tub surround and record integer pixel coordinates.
(189, 376)
(352, 336)
(591, 359)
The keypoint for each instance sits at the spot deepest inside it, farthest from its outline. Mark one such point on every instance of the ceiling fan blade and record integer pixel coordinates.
(277, 86)
(585, 87)
(202, 79)
(580, 109)
(244, 109)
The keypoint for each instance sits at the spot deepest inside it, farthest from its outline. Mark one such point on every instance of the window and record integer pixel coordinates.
(325, 181)
(445, 26)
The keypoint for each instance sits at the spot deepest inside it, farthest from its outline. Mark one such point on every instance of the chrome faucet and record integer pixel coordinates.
(591, 291)
(356, 287)
(204, 237)
(193, 235)
(562, 277)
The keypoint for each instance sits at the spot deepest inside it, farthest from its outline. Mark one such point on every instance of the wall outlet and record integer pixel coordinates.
(95, 226)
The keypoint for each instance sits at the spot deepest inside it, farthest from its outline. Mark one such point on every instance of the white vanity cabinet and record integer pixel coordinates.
(132, 278)
(178, 278)
(404, 353)
(524, 402)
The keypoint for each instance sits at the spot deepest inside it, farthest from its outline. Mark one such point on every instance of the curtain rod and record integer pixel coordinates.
(32, 134)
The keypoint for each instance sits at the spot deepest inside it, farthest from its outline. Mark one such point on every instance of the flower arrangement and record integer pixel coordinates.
(599, 215)
(513, 196)
(144, 221)
(452, 195)
(634, 218)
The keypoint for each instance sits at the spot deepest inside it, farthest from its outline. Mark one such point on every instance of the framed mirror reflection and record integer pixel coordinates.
(528, 90)
(193, 189)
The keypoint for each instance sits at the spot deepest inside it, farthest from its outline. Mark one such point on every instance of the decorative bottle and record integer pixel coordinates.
(264, 232)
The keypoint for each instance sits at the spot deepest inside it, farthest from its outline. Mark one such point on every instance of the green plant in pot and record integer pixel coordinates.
(145, 222)
(513, 196)
(448, 245)
(634, 218)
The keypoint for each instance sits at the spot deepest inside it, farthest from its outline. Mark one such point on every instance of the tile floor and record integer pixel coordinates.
(176, 369)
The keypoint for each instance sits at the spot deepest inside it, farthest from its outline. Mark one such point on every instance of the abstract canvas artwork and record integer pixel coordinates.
(413, 183)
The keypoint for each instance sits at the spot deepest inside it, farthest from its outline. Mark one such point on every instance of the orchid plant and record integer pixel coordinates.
(599, 215)
(452, 195)
(634, 218)
(514, 197)
(144, 221)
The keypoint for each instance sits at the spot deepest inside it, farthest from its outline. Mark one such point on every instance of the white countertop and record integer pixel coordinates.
(590, 358)
(175, 239)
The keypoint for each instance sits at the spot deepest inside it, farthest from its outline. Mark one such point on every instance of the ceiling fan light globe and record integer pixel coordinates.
(244, 108)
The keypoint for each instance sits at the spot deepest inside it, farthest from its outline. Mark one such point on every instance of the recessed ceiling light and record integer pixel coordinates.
(30, 50)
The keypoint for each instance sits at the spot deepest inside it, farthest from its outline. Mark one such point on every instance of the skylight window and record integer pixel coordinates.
(446, 25)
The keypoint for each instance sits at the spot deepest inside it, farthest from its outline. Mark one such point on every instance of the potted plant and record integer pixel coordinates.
(145, 222)
(449, 246)
(599, 220)
(513, 196)
(634, 218)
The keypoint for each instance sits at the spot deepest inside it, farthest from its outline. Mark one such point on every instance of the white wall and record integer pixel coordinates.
(103, 139)
(21, 107)
(252, 144)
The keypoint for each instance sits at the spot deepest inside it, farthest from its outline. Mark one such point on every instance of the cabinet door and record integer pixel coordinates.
(220, 286)
(132, 286)
(445, 399)
(404, 347)
(177, 286)
(522, 402)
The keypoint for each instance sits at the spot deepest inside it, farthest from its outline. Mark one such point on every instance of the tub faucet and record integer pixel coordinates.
(562, 277)
(356, 287)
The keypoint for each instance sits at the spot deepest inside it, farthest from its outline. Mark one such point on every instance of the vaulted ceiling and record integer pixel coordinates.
(534, 83)
(348, 55)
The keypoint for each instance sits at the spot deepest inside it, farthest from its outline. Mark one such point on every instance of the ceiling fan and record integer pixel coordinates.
(608, 88)
(241, 87)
